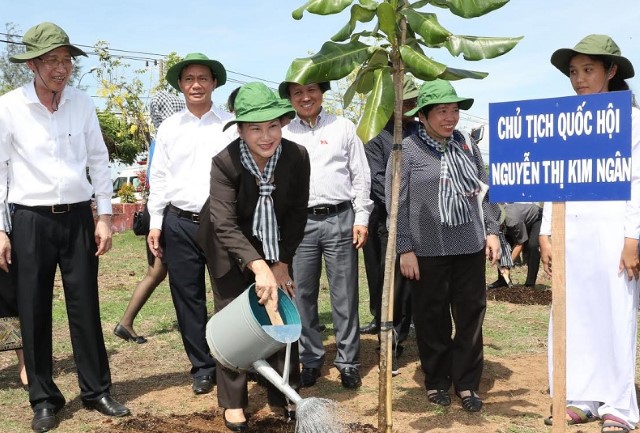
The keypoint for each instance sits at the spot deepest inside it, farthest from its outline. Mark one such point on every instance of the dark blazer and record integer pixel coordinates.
(225, 232)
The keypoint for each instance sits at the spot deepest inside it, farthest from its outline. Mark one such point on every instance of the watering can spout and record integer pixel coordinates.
(272, 376)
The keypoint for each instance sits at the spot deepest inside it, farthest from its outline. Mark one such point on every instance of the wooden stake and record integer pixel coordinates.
(385, 390)
(558, 314)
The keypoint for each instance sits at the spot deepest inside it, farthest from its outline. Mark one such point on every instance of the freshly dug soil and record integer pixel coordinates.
(211, 422)
(521, 295)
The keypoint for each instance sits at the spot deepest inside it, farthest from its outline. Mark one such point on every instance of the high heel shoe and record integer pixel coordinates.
(234, 426)
(121, 331)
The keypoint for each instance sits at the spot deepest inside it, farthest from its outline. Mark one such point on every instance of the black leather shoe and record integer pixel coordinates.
(234, 426)
(350, 377)
(308, 376)
(121, 331)
(43, 420)
(500, 282)
(202, 385)
(371, 328)
(106, 405)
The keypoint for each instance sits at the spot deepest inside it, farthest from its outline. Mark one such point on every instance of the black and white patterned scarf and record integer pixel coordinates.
(265, 225)
(458, 180)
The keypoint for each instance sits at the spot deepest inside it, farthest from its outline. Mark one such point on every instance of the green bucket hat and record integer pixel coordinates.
(438, 92)
(218, 71)
(409, 88)
(42, 38)
(283, 88)
(257, 103)
(594, 45)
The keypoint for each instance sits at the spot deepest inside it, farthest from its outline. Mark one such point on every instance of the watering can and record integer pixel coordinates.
(242, 335)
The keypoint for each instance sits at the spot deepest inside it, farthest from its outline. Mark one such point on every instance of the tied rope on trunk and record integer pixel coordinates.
(265, 226)
(458, 180)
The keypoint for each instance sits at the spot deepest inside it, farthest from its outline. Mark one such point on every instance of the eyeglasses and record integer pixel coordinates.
(53, 63)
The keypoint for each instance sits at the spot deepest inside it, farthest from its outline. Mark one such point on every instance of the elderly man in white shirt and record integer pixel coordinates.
(49, 136)
(179, 187)
(338, 215)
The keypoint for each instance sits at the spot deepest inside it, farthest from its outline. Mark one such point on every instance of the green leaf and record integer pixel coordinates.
(379, 106)
(332, 62)
(424, 68)
(364, 78)
(349, 94)
(453, 74)
(477, 48)
(358, 13)
(419, 4)
(469, 8)
(420, 65)
(427, 26)
(363, 82)
(387, 20)
(379, 57)
(321, 7)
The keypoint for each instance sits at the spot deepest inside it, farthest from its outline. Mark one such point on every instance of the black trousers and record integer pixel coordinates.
(42, 241)
(186, 267)
(374, 262)
(450, 287)
(232, 386)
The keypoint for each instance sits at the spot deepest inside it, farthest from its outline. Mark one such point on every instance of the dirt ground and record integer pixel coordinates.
(514, 392)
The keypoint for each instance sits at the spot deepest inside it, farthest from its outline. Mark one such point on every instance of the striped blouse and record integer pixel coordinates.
(419, 226)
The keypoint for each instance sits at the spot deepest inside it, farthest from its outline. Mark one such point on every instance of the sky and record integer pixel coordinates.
(258, 39)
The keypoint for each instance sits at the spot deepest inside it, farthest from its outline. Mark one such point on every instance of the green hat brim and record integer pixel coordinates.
(463, 104)
(218, 71)
(29, 55)
(263, 115)
(561, 58)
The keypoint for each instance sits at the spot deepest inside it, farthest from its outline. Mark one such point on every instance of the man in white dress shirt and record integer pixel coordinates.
(49, 136)
(179, 187)
(338, 215)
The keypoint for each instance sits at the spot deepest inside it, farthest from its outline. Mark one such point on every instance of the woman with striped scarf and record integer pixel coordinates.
(251, 226)
(446, 229)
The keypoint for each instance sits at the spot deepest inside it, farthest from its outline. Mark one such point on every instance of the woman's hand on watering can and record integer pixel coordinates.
(266, 286)
(284, 280)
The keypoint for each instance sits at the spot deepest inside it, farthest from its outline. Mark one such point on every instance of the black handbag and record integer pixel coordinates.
(141, 221)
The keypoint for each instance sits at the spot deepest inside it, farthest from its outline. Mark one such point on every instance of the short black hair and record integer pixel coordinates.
(231, 100)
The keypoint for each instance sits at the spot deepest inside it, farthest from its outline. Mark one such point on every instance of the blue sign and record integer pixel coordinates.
(574, 148)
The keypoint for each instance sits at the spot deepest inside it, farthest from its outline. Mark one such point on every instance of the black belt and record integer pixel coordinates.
(191, 216)
(56, 208)
(329, 209)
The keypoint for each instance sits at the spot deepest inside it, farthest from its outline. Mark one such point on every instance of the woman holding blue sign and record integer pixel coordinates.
(602, 265)
(446, 228)
(252, 224)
